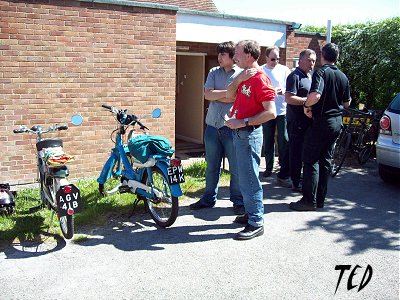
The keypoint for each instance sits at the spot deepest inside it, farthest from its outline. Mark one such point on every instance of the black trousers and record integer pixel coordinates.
(296, 131)
(317, 156)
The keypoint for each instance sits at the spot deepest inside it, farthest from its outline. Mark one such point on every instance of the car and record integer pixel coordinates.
(388, 144)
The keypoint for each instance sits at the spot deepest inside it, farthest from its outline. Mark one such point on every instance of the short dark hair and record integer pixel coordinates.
(330, 52)
(306, 52)
(227, 47)
(251, 47)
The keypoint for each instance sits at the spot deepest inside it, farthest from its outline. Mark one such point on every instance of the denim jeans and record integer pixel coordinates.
(269, 145)
(219, 142)
(248, 144)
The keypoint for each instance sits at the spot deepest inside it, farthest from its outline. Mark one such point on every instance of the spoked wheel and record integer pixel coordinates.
(67, 226)
(113, 182)
(365, 153)
(66, 222)
(368, 148)
(164, 207)
(340, 152)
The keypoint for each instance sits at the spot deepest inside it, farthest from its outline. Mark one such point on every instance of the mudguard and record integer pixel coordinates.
(176, 190)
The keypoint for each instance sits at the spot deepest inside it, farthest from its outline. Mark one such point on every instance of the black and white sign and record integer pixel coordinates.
(68, 200)
(175, 175)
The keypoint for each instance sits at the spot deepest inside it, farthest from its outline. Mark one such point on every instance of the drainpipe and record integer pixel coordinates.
(329, 31)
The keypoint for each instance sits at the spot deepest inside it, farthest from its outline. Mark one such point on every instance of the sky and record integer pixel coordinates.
(313, 12)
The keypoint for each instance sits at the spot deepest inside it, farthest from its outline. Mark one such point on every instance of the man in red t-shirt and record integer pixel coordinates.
(254, 104)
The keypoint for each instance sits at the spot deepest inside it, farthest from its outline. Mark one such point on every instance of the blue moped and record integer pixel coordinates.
(143, 166)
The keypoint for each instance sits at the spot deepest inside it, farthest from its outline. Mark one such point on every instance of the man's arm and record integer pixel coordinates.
(217, 95)
(243, 76)
(294, 100)
(267, 114)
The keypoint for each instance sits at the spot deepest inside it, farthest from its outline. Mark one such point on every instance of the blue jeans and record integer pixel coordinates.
(248, 144)
(269, 145)
(218, 142)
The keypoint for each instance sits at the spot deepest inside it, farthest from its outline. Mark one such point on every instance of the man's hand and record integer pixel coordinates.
(308, 111)
(246, 74)
(234, 123)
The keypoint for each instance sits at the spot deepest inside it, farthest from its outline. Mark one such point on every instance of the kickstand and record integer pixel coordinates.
(134, 206)
(51, 221)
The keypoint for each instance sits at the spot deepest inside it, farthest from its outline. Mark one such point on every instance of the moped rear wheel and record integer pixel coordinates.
(66, 222)
(163, 209)
(67, 226)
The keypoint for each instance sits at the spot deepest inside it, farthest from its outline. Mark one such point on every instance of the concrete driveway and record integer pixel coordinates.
(198, 259)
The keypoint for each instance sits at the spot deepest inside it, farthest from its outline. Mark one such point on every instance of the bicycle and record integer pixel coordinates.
(56, 192)
(143, 167)
(359, 134)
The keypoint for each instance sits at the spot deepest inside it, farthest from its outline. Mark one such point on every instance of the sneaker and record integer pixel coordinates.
(238, 209)
(199, 205)
(287, 183)
(267, 173)
(249, 232)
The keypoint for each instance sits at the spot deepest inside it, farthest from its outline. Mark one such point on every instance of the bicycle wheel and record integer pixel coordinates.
(340, 152)
(368, 146)
(365, 153)
(163, 209)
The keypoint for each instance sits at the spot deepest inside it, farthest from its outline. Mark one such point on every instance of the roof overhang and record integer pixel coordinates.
(193, 26)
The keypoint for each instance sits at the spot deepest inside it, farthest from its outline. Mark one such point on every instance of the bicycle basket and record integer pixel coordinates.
(143, 146)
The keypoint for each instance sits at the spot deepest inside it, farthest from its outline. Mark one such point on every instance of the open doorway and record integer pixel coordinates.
(189, 112)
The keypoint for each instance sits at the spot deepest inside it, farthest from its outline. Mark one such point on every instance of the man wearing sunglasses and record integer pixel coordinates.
(278, 74)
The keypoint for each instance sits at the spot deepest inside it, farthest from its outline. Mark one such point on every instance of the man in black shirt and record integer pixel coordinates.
(330, 91)
(298, 85)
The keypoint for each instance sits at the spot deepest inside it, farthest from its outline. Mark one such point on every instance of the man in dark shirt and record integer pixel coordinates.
(298, 85)
(330, 91)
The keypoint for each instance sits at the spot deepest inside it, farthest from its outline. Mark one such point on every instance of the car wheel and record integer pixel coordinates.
(384, 174)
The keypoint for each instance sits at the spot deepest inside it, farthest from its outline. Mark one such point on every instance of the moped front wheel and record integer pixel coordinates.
(163, 207)
(112, 182)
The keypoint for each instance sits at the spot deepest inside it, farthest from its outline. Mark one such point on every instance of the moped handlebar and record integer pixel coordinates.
(39, 130)
(123, 118)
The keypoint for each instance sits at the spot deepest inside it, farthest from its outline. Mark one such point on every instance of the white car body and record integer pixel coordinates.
(388, 144)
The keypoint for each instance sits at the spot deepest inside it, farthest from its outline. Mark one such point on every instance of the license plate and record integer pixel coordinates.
(175, 175)
(68, 200)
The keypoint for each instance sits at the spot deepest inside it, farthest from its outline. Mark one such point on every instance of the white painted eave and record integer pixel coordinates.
(193, 26)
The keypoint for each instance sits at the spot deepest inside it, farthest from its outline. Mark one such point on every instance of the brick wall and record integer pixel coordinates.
(64, 57)
(298, 41)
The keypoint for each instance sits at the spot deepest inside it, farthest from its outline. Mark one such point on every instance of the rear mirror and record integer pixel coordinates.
(156, 113)
(76, 120)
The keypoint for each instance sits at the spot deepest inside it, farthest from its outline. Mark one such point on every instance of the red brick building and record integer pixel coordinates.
(59, 58)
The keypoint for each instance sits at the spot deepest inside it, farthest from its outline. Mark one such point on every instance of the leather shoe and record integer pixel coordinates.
(301, 206)
(267, 173)
(238, 210)
(249, 232)
(242, 219)
(199, 205)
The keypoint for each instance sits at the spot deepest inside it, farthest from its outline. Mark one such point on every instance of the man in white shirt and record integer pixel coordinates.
(278, 74)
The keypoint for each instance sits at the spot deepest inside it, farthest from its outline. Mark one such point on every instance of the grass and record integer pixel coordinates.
(28, 224)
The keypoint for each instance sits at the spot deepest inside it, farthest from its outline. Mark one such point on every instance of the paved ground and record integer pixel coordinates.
(198, 259)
